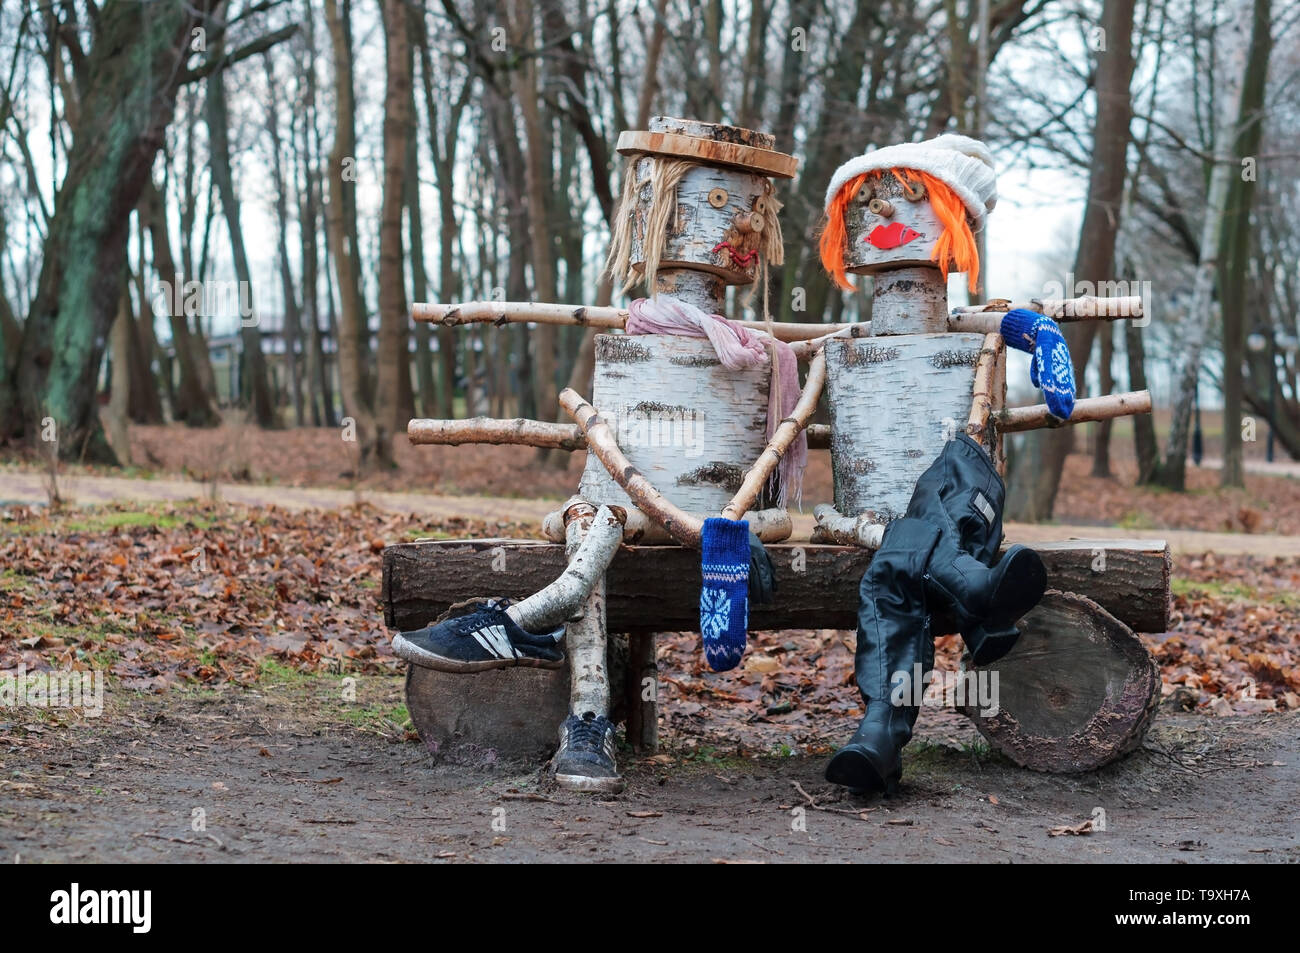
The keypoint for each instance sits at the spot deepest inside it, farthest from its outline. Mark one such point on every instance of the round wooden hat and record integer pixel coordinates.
(711, 144)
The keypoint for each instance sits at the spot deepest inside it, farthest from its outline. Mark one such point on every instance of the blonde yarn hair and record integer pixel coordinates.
(665, 175)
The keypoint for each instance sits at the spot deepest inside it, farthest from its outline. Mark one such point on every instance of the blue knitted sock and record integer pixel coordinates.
(1051, 369)
(724, 594)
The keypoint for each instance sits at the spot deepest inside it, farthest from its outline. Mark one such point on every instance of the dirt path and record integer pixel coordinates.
(27, 487)
(288, 772)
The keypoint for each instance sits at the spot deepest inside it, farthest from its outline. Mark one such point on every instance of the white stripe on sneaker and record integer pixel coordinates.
(487, 645)
(501, 641)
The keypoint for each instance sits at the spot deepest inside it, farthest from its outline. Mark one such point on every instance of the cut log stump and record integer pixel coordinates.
(505, 714)
(1077, 692)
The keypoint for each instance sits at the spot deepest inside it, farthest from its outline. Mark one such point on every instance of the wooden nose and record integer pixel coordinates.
(881, 207)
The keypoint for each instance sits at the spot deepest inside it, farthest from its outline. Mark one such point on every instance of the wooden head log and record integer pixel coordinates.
(519, 431)
(1086, 410)
(982, 391)
(757, 475)
(684, 527)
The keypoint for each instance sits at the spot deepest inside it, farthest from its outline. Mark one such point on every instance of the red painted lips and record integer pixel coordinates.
(892, 235)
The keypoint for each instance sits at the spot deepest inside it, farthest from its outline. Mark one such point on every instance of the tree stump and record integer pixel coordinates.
(1077, 692)
(506, 714)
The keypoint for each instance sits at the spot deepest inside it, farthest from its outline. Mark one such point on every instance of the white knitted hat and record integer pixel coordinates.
(963, 163)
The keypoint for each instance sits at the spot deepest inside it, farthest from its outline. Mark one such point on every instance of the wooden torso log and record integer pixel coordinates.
(689, 424)
(893, 401)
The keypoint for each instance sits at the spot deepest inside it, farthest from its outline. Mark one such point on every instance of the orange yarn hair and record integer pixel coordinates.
(955, 250)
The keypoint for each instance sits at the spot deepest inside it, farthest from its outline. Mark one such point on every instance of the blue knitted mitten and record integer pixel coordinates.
(724, 595)
(1051, 369)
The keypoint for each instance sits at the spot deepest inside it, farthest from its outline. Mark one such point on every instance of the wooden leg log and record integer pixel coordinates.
(1077, 692)
(584, 636)
(642, 693)
(591, 553)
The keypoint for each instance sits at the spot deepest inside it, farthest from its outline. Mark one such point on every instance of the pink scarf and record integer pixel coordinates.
(736, 347)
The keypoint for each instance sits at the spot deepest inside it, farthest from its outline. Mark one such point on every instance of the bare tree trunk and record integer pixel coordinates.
(1237, 241)
(255, 384)
(309, 219)
(1233, 43)
(116, 414)
(442, 144)
(143, 404)
(1101, 452)
(340, 215)
(291, 331)
(1096, 256)
(146, 389)
(136, 61)
(526, 93)
(394, 350)
(654, 51)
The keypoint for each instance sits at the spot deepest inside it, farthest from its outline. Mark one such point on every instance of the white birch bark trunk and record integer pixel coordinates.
(1234, 40)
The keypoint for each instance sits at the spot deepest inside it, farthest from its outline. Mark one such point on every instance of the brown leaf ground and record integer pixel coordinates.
(196, 593)
(227, 697)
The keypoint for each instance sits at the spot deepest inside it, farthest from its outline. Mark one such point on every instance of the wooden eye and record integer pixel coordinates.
(717, 197)
(881, 207)
(914, 191)
(760, 205)
(865, 196)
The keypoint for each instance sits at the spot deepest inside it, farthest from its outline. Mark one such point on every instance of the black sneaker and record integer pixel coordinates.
(485, 638)
(585, 761)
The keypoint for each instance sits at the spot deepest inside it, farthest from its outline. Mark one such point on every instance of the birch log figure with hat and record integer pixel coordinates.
(917, 459)
(701, 415)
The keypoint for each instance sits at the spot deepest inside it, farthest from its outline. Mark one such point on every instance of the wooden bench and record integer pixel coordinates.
(1090, 676)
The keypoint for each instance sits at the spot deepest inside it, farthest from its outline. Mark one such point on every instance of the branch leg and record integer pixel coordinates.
(585, 637)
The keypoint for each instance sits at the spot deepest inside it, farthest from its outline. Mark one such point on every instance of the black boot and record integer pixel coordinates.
(963, 495)
(894, 638)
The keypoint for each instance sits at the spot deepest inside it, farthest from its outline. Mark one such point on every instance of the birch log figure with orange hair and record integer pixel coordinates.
(903, 456)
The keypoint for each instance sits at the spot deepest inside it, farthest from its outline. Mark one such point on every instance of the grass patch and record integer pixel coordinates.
(1135, 519)
(98, 519)
(1229, 591)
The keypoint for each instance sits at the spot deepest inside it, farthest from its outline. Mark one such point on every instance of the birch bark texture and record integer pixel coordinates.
(894, 402)
(690, 425)
(1234, 41)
